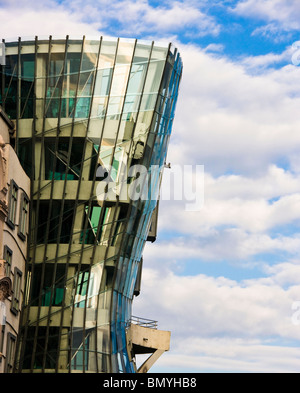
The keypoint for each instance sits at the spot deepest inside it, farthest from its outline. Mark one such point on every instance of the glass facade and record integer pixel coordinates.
(87, 111)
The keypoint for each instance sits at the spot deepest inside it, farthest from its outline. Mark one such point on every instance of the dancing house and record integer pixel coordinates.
(93, 118)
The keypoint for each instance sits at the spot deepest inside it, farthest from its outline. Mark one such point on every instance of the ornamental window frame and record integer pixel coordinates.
(23, 217)
(13, 203)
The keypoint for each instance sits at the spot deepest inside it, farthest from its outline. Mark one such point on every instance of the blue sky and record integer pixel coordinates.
(223, 279)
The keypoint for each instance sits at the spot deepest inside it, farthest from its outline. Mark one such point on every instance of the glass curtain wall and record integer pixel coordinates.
(86, 111)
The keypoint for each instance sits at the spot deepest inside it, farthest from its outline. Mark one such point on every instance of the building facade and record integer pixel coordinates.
(14, 209)
(93, 121)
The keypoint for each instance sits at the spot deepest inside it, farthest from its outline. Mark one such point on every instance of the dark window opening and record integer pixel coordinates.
(59, 156)
(52, 287)
(44, 349)
(59, 224)
(9, 83)
(25, 155)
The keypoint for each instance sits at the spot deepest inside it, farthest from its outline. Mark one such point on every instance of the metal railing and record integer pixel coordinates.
(144, 322)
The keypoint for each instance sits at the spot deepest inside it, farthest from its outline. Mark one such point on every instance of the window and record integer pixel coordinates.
(94, 228)
(23, 216)
(10, 352)
(44, 357)
(15, 304)
(64, 163)
(80, 350)
(2, 327)
(13, 198)
(7, 256)
(52, 287)
(59, 224)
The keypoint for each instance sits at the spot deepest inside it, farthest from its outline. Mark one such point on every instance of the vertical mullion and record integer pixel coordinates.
(125, 93)
(33, 261)
(3, 82)
(151, 123)
(51, 198)
(22, 343)
(76, 204)
(19, 75)
(95, 171)
(38, 204)
(62, 209)
(51, 192)
(100, 223)
(124, 235)
(132, 142)
(91, 198)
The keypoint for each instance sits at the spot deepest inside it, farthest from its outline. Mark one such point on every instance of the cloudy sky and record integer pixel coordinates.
(225, 279)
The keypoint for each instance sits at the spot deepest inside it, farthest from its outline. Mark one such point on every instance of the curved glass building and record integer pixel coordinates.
(93, 121)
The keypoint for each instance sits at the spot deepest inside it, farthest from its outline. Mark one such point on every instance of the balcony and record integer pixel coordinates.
(143, 337)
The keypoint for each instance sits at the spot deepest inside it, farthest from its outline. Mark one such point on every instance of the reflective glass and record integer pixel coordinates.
(125, 52)
(107, 54)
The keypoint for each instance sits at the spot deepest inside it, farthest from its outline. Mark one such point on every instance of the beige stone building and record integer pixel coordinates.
(14, 206)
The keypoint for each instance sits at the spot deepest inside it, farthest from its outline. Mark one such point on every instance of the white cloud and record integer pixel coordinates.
(261, 63)
(251, 204)
(202, 311)
(234, 245)
(229, 120)
(42, 19)
(281, 16)
(229, 355)
(287, 11)
(102, 17)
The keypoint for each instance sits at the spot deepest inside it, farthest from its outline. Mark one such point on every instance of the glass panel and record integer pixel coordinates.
(59, 157)
(27, 86)
(107, 55)
(143, 124)
(55, 234)
(86, 80)
(80, 349)
(113, 113)
(55, 82)
(125, 52)
(97, 218)
(90, 55)
(159, 52)
(83, 107)
(9, 90)
(103, 339)
(134, 90)
(148, 102)
(103, 78)
(25, 155)
(118, 88)
(71, 74)
(141, 53)
(154, 75)
(70, 83)
(51, 294)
